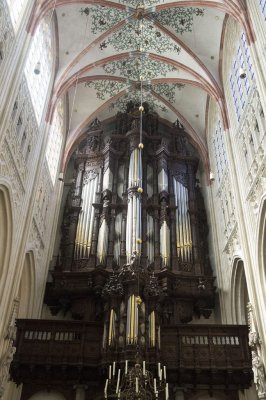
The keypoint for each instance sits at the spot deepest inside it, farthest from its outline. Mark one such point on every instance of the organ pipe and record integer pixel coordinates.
(132, 320)
(183, 226)
(152, 331)
(86, 217)
(112, 322)
(79, 180)
(150, 238)
(165, 244)
(102, 242)
(164, 229)
(163, 181)
(133, 227)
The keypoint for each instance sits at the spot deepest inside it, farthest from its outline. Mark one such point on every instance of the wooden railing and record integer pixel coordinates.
(210, 347)
(58, 342)
(200, 353)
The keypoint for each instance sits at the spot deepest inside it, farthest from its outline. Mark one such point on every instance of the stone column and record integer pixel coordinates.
(179, 394)
(80, 392)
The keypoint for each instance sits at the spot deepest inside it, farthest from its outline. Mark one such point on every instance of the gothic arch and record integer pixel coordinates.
(262, 244)
(5, 232)
(44, 395)
(239, 293)
(26, 292)
(207, 396)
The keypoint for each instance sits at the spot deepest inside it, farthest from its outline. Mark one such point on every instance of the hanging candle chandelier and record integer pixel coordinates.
(136, 382)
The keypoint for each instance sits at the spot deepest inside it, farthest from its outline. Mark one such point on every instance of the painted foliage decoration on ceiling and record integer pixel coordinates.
(131, 67)
(128, 37)
(134, 97)
(139, 34)
(103, 18)
(168, 90)
(105, 88)
(179, 18)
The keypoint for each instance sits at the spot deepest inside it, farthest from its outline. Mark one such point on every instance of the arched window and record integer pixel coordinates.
(6, 31)
(55, 140)
(16, 10)
(219, 151)
(263, 8)
(240, 87)
(38, 67)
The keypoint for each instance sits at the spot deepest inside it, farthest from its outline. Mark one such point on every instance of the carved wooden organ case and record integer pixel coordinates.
(134, 236)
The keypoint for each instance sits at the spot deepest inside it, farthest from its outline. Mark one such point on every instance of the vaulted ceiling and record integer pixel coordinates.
(105, 48)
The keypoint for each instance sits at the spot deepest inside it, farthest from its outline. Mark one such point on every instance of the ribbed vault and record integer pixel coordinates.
(101, 59)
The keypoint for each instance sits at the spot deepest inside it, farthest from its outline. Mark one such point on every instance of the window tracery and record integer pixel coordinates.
(219, 151)
(263, 8)
(6, 31)
(16, 10)
(22, 129)
(240, 87)
(55, 141)
(40, 52)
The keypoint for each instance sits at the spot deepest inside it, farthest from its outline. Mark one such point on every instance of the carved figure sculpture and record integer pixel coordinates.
(4, 368)
(259, 375)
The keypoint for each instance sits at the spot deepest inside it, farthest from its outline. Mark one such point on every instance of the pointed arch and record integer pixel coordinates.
(262, 244)
(27, 287)
(45, 395)
(6, 233)
(239, 292)
(206, 396)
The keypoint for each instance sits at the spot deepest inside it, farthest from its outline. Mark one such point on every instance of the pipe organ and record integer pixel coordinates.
(150, 185)
(132, 222)
(183, 228)
(134, 216)
(132, 270)
(86, 216)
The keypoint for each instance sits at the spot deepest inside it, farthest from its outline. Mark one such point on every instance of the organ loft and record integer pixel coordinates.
(132, 278)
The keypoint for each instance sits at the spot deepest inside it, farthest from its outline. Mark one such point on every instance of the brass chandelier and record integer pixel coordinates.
(136, 382)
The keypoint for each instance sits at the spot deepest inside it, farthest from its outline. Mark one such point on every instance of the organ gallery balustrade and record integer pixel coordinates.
(71, 350)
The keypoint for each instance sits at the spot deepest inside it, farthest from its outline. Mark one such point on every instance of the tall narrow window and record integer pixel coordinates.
(6, 31)
(16, 10)
(263, 8)
(240, 87)
(38, 67)
(219, 151)
(55, 141)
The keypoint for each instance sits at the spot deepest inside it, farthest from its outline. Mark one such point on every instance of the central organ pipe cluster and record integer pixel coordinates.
(134, 198)
(134, 231)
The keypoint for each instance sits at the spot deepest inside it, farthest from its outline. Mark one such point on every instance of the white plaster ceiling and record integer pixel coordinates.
(95, 60)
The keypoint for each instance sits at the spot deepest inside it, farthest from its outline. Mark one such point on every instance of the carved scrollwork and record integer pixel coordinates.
(181, 177)
(89, 175)
(186, 267)
(5, 362)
